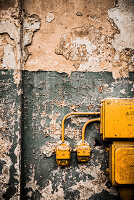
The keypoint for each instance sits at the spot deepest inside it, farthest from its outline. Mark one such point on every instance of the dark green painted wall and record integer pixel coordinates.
(50, 94)
(10, 127)
(47, 97)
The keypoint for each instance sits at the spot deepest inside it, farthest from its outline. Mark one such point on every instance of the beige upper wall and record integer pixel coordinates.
(79, 35)
(67, 16)
(68, 36)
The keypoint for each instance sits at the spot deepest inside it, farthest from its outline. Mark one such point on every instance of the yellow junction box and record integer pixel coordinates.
(83, 152)
(121, 163)
(63, 154)
(117, 118)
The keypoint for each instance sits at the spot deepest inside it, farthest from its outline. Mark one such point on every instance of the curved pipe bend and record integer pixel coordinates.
(80, 113)
(85, 125)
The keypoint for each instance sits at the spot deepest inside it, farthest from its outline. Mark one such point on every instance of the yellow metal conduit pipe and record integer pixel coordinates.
(80, 113)
(84, 127)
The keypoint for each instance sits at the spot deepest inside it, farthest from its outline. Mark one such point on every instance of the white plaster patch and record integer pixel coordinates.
(91, 65)
(11, 29)
(90, 187)
(48, 148)
(9, 57)
(4, 156)
(123, 17)
(55, 128)
(32, 183)
(31, 24)
(123, 91)
(116, 57)
(11, 51)
(2, 124)
(90, 47)
(49, 17)
(17, 152)
(17, 79)
(47, 193)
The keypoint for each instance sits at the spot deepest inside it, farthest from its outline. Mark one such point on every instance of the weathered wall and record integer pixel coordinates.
(83, 36)
(9, 137)
(48, 97)
(10, 99)
(67, 41)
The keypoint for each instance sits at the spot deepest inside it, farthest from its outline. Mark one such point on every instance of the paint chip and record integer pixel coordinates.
(50, 17)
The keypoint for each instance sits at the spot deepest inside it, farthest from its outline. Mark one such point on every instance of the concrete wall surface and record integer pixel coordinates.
(58, 57)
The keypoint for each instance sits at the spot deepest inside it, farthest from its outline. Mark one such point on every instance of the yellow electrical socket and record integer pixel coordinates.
(63, 154)
(83, 151)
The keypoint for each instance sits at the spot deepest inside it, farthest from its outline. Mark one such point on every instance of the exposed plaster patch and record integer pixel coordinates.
(49, 17)
(47, 192)
(48, 148)
(17, 152)
(123, 17)
(123, 91)
(54, 127)
(30, 25)
(75, 48)
(9, 57)
(73, 133)
(11, 52)
(3, 124)
(92, 63)
(84, 41)
(116, 57)
(17, 79)
(91, 50)
(97, 185)
(11, 48)
(11, 29)
(5, 146)
(32, 183)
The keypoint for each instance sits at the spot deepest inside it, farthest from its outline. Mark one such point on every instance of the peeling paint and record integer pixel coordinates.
(86, 41)
(95, 186)
(31, 24)
(5, 146)
(47, 193)
(11, 29)
(92, 53)
(11, 51)
(47, 104)
(48, 149)
(9, 57)
(49, 17)
(123, 17)
(9, 137)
